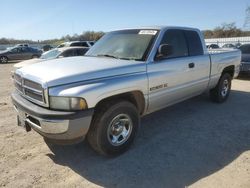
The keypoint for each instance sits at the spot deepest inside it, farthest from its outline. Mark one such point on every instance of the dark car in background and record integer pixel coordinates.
(77, 43)
(47, 47)
(228, 46)
(19, 53)
(245, 58)
(213, 46)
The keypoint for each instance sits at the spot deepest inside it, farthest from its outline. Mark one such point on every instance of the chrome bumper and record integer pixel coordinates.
(49, 126)
(54, 125)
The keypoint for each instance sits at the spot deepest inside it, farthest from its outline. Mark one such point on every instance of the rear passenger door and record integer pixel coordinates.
(200, 71)
(179, 76)
(26, 53)
(81, 52)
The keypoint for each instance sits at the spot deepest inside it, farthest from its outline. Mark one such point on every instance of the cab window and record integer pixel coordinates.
(176, 39)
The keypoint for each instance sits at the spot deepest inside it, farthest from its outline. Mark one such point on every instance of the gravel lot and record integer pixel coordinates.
(196, 143)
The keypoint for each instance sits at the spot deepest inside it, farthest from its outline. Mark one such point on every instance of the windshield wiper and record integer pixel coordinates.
(123, 58)
(107, 55)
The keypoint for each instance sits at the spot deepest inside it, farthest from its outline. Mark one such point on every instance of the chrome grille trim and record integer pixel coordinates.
(30, 84)
(39, 92)
(18, 79)
(31, 90)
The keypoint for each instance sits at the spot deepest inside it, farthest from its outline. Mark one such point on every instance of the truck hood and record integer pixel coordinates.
(27, 62)
(74, 69)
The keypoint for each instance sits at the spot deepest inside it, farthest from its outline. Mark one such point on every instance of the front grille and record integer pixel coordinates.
(31, 84)
(29, 89)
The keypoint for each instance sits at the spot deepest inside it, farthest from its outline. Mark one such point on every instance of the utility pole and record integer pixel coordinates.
(246, 25)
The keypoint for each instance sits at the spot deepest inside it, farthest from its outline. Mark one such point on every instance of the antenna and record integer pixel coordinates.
(246, 25)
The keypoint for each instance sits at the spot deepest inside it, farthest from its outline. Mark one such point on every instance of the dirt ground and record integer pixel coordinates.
(196, 143)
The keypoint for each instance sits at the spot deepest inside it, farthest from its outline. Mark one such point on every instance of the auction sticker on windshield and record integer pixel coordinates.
(147, 32)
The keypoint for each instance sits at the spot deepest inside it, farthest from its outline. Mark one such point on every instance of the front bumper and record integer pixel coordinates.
(245, 67)
(58, 126)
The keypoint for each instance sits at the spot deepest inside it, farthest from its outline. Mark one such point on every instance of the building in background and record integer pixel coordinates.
(232, 40)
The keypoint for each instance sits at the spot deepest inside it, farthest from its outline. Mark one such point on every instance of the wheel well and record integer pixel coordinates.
(229, 70)
(135, 97)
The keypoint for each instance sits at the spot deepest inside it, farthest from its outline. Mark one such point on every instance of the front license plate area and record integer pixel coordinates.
(20, 121)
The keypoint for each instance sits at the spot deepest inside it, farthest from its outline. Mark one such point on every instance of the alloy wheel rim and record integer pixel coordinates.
(119, 129)
(3, 60)
(225, 88)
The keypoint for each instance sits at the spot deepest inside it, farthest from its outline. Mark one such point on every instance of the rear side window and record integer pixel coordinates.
(177, 40)
(84, 44)
(194, 43)
(81, 52)
(69, 53)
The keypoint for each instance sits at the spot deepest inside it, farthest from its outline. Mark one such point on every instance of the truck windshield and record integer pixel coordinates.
(126, 44)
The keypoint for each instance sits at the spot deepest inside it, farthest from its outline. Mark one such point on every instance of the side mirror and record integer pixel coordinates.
(164, 51)
(60, 56)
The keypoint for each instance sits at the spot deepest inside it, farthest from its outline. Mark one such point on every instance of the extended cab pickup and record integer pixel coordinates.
(125, 75)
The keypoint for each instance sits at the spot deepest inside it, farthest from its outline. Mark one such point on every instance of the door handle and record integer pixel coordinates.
(191, 65)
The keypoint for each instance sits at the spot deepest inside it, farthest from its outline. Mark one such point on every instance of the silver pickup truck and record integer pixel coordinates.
(127, 74)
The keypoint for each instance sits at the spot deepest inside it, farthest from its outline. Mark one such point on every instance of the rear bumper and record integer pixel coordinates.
(58, 126)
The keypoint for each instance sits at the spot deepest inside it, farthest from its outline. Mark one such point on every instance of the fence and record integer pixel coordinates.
(233, 40)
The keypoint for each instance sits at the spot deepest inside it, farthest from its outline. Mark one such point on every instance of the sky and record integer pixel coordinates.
(48, 19)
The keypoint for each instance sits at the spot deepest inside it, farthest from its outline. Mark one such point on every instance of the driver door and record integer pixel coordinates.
(14, 54)
(170, 78)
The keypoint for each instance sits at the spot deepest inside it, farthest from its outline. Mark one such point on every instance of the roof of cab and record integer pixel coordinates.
(159, 27)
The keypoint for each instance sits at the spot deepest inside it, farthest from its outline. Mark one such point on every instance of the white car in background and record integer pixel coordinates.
(53, 54)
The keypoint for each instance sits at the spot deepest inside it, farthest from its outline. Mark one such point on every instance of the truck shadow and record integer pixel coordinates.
(175, 147)
(244, 77)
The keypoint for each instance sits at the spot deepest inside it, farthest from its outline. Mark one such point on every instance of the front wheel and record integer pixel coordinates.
(114, 128)
(221, 92)
(3, 59)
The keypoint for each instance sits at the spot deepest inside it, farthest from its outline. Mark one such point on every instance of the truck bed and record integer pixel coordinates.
(221, 58)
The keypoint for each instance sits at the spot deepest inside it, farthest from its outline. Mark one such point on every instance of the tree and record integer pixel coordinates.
(225, 30)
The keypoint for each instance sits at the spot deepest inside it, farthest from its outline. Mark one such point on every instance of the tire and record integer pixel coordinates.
(221, 92)
(3, 59)
(113, 128)
(34, 56)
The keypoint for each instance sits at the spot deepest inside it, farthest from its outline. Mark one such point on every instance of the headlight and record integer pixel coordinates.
(67, 103)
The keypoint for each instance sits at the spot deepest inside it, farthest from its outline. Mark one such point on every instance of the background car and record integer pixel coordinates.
(238, 44)
(53, 54)
(21, 45)
(47, 47)
(228, 46)
(213, 46)
(19, 53)
(245, 58)
(77, 43)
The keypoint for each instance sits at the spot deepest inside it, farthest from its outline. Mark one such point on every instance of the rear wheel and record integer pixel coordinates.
(221, 92)
(113, 128)
(3, 59)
